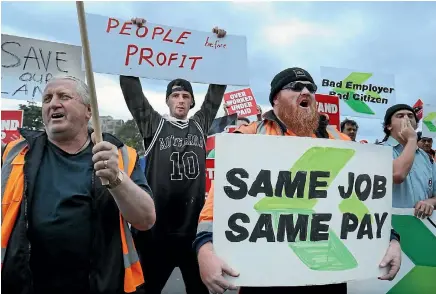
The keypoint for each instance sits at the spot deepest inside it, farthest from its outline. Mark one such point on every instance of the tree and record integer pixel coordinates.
(32, 117)
(129, 134)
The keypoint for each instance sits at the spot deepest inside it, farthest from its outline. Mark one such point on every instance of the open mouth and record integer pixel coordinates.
(304, 103)
(57, 115)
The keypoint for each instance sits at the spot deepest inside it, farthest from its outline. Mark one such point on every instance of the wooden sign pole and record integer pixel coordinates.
(89, 74)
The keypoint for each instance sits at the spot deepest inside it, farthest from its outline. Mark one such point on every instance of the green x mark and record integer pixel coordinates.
(428, 121)
(356, 105)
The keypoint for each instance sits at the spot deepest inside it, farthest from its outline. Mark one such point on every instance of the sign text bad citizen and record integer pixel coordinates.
(294, 186)
(146, 54)
(358, 87)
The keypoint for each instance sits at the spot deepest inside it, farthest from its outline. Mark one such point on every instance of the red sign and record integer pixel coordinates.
(11, 121)
(241, 102)
(210, 169)
(418, 108)
(329, 106)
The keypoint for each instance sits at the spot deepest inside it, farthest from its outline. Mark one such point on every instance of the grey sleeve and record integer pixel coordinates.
(210, 106)
(146, 118)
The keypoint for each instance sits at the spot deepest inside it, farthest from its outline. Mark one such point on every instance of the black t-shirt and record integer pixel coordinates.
(60, 227)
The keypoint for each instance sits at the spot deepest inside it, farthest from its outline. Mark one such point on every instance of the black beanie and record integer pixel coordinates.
(285, 77)
(397, 107)
(184, 85)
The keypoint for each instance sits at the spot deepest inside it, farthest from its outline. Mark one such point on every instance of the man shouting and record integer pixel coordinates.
(176, 155)
(294, 114)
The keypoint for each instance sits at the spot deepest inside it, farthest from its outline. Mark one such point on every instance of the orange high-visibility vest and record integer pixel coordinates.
(12, 180)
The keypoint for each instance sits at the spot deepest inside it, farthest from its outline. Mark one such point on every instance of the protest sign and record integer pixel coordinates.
(429, 121)
(417, 107)
(241, 102)
(329, 105)
(418, 261)
(162, 52)
(361, 94)
(11, 121)
(28, 64)
(210, 168)
(311, 211)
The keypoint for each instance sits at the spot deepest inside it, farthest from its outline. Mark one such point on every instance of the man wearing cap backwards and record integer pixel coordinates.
(294, 114)
(176, 156)
(413, 174)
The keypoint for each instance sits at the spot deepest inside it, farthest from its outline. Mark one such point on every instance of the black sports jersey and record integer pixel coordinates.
(176, 157)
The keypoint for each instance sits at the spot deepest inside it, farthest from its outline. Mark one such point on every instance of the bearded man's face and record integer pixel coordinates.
(297, 110)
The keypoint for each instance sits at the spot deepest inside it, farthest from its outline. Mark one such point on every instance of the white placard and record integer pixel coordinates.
(361, 94)
(161, 52)
(250, 223)
(28, 64)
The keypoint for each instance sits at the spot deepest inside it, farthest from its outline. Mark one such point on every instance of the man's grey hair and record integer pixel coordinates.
(82, 88)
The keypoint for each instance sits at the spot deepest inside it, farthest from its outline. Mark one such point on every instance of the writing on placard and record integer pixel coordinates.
(372, 93)
(11, 121)
(29, 64)
(241, 102)
(302, 227)
(156, 58)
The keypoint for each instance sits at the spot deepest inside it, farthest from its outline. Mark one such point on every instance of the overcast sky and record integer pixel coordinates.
(395, 38)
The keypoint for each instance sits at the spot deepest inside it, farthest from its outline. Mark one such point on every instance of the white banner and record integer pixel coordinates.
(28, 64)
(303, 211)
(361, 94)
(161, 52)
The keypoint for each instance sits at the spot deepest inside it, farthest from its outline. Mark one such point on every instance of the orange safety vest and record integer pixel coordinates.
(12, 180)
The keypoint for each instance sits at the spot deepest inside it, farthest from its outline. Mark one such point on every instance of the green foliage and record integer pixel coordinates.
(129, 134)
(32, 116)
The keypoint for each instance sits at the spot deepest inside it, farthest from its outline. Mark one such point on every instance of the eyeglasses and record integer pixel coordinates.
(299, 86)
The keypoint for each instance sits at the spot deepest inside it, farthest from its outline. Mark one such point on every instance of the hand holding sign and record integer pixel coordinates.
(219, 32)
(392, 259)
(212, 269)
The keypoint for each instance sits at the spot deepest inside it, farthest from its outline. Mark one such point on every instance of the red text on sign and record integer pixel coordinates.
(160, 58)
(142, 32)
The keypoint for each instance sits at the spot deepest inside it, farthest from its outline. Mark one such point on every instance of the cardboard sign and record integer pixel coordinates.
(11, 121)
(161, 52)
(329, 105)
(361, 94)
(241, 102)
(210, 168)
(429, 121)
(28, 64)
(418, 261)
(316, 214)
(417, 107)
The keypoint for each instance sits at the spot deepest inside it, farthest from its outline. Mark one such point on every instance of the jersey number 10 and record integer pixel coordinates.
(188, 166)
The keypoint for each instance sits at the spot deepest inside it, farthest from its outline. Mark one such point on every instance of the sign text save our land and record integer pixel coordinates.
(28, 64)
(163, 52)
(314, 215)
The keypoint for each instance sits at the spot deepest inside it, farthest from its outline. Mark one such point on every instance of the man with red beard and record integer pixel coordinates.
(294, 114)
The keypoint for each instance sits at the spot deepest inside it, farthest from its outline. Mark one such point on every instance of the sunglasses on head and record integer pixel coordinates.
(299, 86)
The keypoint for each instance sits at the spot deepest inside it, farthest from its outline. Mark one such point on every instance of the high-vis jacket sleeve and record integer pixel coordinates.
(205, 223)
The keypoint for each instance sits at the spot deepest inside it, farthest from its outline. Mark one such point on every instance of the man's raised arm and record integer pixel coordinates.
(146, 118)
